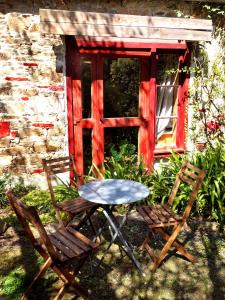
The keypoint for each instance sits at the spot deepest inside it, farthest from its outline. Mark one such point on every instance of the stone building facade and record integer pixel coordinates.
(33, 110)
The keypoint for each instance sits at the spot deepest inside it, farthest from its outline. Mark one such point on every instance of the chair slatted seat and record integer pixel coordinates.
(72, 207)
(57, 248)
(75, 207)
(160, 218)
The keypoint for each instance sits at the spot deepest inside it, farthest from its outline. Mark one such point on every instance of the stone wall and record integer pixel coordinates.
(33, 112)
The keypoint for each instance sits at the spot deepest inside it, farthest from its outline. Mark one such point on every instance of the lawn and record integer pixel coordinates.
(117, 278)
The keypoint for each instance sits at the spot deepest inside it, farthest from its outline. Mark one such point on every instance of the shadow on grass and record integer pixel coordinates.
(118, 279)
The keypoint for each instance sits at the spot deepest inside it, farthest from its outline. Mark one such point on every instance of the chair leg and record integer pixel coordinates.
(71, 281)
(40, 274)
(167, 246)
(61, 292)
(146, 245)
(177, 245)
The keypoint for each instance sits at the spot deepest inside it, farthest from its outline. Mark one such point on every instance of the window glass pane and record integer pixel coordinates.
(86, 86)
(121, 87)
(87, 149)
(167, 68)
(167, 137)
(119, 136)
(167, 99)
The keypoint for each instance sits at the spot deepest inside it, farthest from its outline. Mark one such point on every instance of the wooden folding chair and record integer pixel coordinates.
(74, 206)
(58, 248)
(159, 216)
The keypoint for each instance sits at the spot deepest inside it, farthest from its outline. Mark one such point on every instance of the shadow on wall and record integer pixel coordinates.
(155, 7)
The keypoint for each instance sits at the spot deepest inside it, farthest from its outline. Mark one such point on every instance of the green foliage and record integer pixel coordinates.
(42, 200)
(14, 284)
(217, 13)
(124, 164)
(207, 98)
(121, 87)
(4, 182)
(65, 192)
(39, 199)
(18, 187)
(211, 199)
(17, 280)
(162, 179)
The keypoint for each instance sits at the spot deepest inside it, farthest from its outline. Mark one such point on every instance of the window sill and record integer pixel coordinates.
(167, 152)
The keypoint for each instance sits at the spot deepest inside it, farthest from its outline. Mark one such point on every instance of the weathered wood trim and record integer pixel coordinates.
(64, 16)
(123, 26)
(114, 42)
(125, 32)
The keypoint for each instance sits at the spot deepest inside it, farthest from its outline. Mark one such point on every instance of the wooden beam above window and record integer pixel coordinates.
(106, 25)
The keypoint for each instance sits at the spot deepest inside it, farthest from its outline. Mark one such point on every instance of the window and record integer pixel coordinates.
(126, 87)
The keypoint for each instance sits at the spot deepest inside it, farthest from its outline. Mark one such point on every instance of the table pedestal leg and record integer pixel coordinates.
(117, 229)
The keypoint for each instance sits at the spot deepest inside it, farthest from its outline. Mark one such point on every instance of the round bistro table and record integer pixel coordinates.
(110, 192)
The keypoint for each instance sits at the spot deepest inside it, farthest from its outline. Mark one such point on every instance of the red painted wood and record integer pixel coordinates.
(122, 122)
(87, 123)
(143, 135)
(97, 113)
(37, 171)
(30, 64)
(113, 122)
(74, 104)
(52, 87)
(14, 133)
(43, 125)
(77, 114)
(69, 92)
(147, 100)
(92, 42)
(8, 78)
(152, 110)
(165, 151)
(118, 53)
(4, 129)
(182, 101)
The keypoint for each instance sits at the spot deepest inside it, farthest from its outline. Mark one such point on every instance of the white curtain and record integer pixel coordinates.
(165, 101)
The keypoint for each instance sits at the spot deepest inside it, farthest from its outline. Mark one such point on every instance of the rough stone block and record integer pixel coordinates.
(4, 142)
(27, 132)
(40, 147)
(5, 160)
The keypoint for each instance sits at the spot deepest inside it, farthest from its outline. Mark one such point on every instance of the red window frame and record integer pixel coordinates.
(146, 121)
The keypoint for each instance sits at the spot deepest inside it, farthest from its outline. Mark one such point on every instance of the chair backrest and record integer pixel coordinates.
(192, 176)
(27, 216)
(56, 166)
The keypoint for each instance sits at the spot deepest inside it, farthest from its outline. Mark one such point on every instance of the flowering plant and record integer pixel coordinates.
(208, 100)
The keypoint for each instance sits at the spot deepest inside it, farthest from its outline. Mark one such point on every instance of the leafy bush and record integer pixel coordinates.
(4, 181)
(124, 164)
(211, 198)
(42, 200)
(14, 284)
(18, 187)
